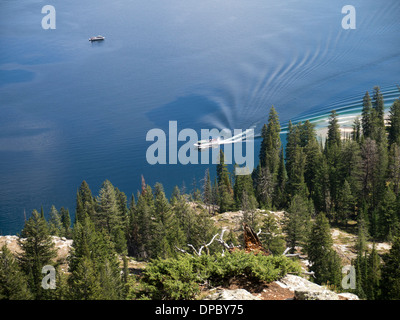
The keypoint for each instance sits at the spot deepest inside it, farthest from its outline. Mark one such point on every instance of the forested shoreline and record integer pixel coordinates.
(340, 181)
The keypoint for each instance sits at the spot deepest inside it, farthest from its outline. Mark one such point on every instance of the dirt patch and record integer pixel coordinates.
(273, 291)
(262, 290)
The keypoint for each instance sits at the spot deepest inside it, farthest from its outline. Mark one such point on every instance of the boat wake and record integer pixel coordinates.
(220, 140)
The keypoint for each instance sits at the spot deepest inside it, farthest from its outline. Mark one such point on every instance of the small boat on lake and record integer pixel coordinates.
(97, 38)
(210, 143)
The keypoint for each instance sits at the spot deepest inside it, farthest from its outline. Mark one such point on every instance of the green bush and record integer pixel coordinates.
(255, 267)
(171, 279)
(180, 278)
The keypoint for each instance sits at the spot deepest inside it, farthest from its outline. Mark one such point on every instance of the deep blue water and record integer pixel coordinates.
(71, 110)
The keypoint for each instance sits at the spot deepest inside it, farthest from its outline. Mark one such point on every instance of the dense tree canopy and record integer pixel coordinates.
(318, 182)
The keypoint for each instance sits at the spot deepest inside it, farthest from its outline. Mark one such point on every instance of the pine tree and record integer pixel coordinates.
(207, 189)
(93, 264)
(388, 216)
(125, 269)
(13, 284)
(297, 222)
(345, 206)
(109, 216)
(334, 135)
(176, 193)
(55, 224)
(66, 223)
(361, 262)
(379, 107)
(122, 204)
(110, 279)
(322, 197)
(263, 148)
(248, 207)
(265, 186)
(222, 171)
(280, 199)
(165, 221)
(325, 263)
(132, 203)
(394, 123)
(107, 208)
(132, 224)
(370, 158)
(307, 133)
(356, 133)
(272, 236)
(333, 152)
(226, 201)
(372, 283)
(214, 195)
(203, 230)
(394, 167)
(37, 251)
(390, 281)
(350, 167)
(313, 156)
(271, 143)
(186, 217)
(296, 183)
(243, 183)
(142, 230)
(161, 204)
(84, 242)
(366, 116)
(84, 282)
(85, 203)
(362, 234)
(382, 169)
(293, 142)
(361, 265)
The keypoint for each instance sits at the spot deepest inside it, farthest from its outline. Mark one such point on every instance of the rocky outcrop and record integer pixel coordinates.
(307, 290)
(348, 296)
(290, 287)
(227, 294)
(62, 245)
(320, 294)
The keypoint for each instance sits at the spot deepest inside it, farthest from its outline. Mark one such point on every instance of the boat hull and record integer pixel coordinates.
(96, 39)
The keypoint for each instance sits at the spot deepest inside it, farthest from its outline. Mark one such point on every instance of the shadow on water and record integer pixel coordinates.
(190, 111)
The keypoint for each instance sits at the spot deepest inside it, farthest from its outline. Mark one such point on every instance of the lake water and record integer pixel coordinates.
(72, 110)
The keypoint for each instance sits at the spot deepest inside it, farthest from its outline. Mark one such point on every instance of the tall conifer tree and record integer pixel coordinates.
(367, 116)
(13, 284)
(394, 123)
(38, 250)
(324, 260)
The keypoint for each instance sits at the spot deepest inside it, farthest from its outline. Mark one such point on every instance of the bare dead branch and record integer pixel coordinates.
(194, 249)
(181, 250)
(208, 244)
(214, 238)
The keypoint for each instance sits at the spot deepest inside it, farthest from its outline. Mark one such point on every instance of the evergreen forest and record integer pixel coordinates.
(349, 181)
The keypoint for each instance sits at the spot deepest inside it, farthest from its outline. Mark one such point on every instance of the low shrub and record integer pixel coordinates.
(180, 278)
